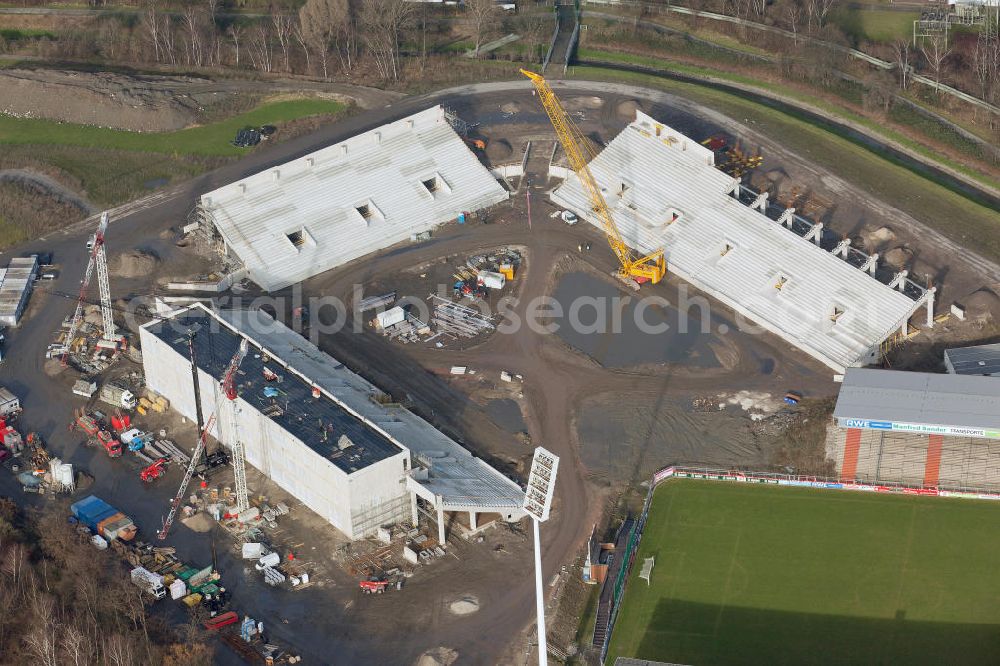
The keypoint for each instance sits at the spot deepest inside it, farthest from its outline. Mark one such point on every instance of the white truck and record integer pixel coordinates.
(117, 396)
(149, 582)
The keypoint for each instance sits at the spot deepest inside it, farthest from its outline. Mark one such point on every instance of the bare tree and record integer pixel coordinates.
(936, 50)
(823, 8)
(236, 33)
(901, 50)
(282, 26)
(878, 95)
(321, 23)
(482, 16)
(303, 43)
(534, 33)
(259, 47)
(383, 22)
(151, 23)
(194, 20)
(793, 17)
(985, 60)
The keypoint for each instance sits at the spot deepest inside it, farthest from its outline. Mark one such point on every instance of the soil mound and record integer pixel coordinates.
(982, 304)
(878, 237)
(441, 656)
(499, 150)
(464, 606)
(898, 256)
(135, 263)
(510, 107)
(626, 110)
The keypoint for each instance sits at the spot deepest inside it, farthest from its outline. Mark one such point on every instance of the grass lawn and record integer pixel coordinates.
(208, 140)
(875, 25)
(756, 574)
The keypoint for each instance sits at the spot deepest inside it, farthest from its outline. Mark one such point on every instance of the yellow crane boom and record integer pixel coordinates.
(651, 267)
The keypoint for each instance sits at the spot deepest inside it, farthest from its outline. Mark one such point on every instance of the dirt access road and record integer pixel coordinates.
(556, 377)
(145, 103)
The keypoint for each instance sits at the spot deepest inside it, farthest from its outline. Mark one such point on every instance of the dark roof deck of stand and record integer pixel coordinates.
(303, 416)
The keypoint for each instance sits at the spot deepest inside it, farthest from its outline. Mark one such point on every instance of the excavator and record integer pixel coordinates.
(633, 269)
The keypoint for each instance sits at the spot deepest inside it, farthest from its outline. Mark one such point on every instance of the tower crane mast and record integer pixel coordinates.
(238, 450)
(632, 267)
(99, 260)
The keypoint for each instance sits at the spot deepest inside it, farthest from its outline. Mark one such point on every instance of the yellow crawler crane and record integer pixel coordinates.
(650, 268)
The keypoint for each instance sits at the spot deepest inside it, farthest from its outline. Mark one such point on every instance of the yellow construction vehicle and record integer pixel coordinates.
(650, 268)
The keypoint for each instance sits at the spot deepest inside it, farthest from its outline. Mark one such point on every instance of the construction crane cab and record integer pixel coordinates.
(632, 269)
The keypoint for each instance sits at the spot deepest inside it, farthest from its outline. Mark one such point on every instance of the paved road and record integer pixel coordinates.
(488, 634)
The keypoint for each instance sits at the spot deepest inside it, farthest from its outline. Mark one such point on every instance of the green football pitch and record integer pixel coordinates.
(754, 574)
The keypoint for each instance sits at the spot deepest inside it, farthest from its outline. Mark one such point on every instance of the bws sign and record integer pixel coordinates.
(922, 428)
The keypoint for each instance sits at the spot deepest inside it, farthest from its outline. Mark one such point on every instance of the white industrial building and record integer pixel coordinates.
(349, 199)
(316, 429)
(16, 282)
(766, 263)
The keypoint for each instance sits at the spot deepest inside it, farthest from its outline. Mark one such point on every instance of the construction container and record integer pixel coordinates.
(253, 551)
(507, 270)
(103, 519)
(177, 589)
(390, 317)
(491, 280)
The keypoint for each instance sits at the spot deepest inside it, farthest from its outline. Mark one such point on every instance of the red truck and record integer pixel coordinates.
(94, 430)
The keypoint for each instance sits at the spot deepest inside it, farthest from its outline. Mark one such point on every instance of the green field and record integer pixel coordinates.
(208, 140)
(767, 575)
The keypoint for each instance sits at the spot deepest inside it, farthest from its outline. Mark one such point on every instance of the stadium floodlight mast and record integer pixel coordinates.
(537, 503)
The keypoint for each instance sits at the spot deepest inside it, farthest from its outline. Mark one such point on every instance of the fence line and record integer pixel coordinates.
(770, 478)
(552, 44)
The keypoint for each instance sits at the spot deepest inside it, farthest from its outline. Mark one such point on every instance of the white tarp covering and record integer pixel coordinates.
(733, 252)
(349, 199)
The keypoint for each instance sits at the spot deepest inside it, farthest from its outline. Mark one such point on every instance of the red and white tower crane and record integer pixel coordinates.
(98, 259)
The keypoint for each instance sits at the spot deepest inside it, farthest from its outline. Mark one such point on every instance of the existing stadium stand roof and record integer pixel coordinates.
(347, 200)
(959, 405)
(828, 306)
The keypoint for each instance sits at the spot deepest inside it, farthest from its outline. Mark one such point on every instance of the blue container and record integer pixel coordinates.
(92, 510)
(461, 218)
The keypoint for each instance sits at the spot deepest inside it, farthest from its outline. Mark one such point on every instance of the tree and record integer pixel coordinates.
(483, 18)
(793, 17)
(321, 22)
(383, 22)
(878, 95)
(901, 49)
(936, 50)
(235, 33)
(823, 8)
(282, 26)
(986, 60)
(151, 23)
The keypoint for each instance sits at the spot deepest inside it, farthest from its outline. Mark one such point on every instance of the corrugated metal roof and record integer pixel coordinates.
(960, 401)
(978, 360)
(733, 252)
(350, 199)
(461, 479)
(15, 288)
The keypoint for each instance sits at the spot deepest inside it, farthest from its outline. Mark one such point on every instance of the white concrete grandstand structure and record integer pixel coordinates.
(298, 219)
(403, 457)
(665, 192)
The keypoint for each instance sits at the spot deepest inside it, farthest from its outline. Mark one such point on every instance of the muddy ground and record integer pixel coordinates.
(146, 103)
(572, 400)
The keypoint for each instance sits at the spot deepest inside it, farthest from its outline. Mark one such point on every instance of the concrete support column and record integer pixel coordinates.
(929, 296)
(905, 328)
(760, 203)
(816, 233)
(899, 280)
(871, 264)
(440, 514)
(414, 518)
(842, 248)
(734, 187)
(472, 521)
(787, 217)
